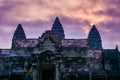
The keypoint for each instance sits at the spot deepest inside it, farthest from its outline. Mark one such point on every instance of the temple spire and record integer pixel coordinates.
(94, 38)
(57, 28)
(117, 48)
(19, 33)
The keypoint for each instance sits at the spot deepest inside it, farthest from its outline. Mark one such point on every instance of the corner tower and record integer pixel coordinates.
(57, 28)
(94, 39)
(19, 33)
(117, 49)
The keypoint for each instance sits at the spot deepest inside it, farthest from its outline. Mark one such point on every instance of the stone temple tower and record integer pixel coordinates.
(19, 33)
(94, 39)
(57, 28)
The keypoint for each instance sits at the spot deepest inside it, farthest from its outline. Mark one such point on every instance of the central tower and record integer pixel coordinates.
(94, 39)
(57, 28)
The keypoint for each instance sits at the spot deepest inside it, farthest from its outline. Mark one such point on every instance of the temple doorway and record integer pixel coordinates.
(47, 72)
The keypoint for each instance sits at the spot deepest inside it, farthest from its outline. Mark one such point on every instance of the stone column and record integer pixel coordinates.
(57, 76)
(34, 71)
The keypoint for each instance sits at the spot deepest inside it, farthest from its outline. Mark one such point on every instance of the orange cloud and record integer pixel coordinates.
(33, 10)
(84, 12)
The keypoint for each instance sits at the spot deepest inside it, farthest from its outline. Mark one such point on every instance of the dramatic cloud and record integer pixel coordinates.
(36, 16)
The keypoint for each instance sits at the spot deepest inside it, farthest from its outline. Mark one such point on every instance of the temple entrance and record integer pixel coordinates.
(72, 77)
(48, 74)
(83, 76)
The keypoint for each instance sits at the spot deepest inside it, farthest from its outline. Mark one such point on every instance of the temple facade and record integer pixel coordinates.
(53, 57)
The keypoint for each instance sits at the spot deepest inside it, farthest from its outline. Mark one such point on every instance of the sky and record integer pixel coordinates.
(76, 16)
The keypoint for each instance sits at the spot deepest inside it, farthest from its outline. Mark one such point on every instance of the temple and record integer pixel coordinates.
(57, 28)
(19, 33)
(94, 39)
(51, 56)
